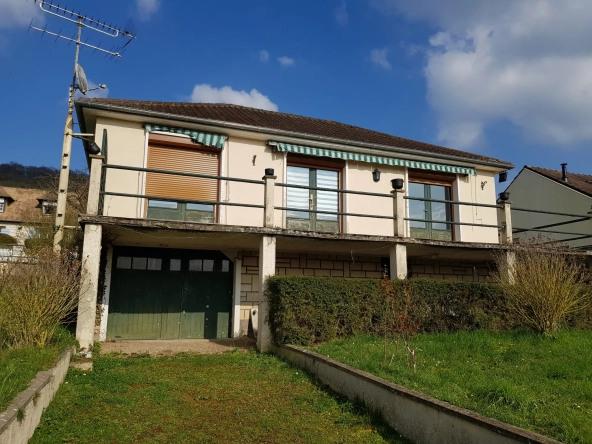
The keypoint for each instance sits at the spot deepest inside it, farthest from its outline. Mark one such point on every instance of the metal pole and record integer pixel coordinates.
(66, 154)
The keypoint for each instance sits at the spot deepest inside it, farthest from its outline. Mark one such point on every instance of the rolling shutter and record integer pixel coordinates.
(185, 161)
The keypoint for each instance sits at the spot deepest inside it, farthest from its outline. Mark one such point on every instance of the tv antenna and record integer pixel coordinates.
(79, 82)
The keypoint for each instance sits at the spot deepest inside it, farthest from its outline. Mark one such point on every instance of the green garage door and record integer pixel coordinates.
(169, 294)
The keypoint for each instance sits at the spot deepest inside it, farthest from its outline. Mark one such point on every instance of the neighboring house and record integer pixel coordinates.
(557, 191)
(186, 255)
(19, 205)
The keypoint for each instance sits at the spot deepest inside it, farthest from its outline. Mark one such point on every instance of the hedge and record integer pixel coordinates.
(7, 239)
(304, 310)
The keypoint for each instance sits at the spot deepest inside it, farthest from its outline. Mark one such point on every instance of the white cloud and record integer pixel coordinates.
(523, 61)
(379, 57)
(341, 15)
(263, 55)
(286, 61)
(254, 99)
(147, 8)
(18, 13)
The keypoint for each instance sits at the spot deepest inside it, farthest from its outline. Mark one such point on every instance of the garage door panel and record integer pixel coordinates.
(139, 315)
(179, 294)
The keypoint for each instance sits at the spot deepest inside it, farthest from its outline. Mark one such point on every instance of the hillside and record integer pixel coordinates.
(16, 175)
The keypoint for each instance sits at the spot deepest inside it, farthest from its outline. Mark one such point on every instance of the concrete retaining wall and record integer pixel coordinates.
(416, 416)
(17, 428)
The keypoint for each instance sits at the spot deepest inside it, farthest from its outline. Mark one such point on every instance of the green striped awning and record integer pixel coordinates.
(346, 155)
(208, 139)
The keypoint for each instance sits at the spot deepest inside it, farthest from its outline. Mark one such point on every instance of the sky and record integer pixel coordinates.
(510, 79)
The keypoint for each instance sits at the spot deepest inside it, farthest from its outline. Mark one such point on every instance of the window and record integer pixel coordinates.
(181, 155)
(307, 199)
(48, 207)
(2, 203)
(430, 211)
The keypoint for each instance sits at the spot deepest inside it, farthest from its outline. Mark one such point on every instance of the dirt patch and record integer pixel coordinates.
(174, 346)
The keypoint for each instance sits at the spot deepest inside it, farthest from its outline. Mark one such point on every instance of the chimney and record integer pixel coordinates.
(564, 172)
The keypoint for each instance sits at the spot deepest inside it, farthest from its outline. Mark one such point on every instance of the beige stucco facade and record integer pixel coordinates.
(247, 158)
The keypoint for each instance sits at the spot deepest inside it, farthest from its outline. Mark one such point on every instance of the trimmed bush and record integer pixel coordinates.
(7, 239)
(304, 310)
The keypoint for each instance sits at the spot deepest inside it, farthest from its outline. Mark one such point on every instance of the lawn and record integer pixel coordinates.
(18, 366)
(234, 397)
(540, 383)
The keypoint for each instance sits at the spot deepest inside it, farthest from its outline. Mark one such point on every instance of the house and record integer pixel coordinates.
(563, 202)
(19, 206)
(192, 205)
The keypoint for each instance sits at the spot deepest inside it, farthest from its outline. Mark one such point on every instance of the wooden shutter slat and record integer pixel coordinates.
(185, 161)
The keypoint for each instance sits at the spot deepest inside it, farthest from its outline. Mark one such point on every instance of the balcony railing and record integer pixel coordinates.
(396, 198)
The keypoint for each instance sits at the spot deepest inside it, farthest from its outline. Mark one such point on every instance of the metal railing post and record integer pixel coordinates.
(399, 212)
(269, 179)
(95, 184)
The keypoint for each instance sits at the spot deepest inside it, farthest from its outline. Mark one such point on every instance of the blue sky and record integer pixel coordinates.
(508, 79)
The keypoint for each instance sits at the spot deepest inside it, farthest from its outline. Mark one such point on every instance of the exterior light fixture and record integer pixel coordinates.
(269, 171)
(397, 184)
(503, 176)
(376, 175)
(92, 149)
(504, 196)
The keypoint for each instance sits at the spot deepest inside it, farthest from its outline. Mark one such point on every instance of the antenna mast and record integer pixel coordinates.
(81, 21)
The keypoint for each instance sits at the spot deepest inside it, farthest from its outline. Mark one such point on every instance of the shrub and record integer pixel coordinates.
(36, 295)
(544, 282)
(306, 309)
(7, 239)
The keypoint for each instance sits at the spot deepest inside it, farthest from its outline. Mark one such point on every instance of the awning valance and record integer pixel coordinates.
(346, 155)
(208, 139)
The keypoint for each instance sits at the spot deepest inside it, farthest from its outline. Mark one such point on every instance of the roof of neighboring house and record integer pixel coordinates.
(578, 182)
(5, 194)
(290, 124)
(24, 202)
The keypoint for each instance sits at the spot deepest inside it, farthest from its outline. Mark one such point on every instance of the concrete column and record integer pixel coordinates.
(507, 223)
(266, 269)
(236, 312)
(89, 286)
(104, 314)
(398, 261)
(399, 213)
(94, 184)
(269, 179)
(511, 259)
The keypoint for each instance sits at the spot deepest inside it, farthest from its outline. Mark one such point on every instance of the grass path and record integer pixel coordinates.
(540, 383)
(237, 397)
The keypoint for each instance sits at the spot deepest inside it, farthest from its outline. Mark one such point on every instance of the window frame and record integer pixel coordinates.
(183, 142)
(318, 163)
(2, 204)
(438, 179)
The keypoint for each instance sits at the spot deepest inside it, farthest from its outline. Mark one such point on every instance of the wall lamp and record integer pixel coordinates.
(92, 149)
(376, 174)
(503, 176)
(397, 184)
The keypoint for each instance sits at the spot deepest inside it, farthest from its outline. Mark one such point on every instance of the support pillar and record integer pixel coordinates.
(399, 212)
(398, 261)
(266, 269)
(506, 231)
(89, 286)
(269, 212)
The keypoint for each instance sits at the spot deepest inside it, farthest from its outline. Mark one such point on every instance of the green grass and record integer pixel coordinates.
(540, 383)
(18, 366)
(237, 397)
